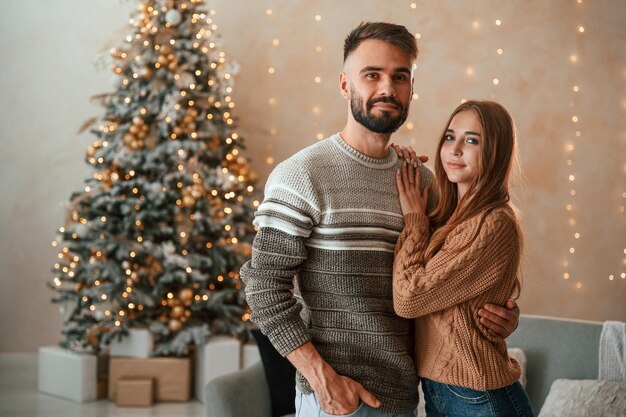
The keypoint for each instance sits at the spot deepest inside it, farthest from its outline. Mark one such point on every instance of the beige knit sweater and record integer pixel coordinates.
(445, 294)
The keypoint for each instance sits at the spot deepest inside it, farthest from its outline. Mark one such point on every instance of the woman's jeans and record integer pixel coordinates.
(443, 400)
(308, 406)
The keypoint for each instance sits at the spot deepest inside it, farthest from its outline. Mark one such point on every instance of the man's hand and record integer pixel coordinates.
(341, 395)
(500, 321)
(336, 394)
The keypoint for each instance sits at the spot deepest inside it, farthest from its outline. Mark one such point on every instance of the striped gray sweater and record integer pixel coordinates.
(331, 218)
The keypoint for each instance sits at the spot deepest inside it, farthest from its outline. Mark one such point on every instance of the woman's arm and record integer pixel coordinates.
(451, 276)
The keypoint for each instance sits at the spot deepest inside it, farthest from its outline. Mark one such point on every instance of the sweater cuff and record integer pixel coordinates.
(288, 338)
(416, 219)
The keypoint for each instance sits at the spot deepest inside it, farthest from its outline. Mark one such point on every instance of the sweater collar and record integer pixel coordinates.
(377, 163)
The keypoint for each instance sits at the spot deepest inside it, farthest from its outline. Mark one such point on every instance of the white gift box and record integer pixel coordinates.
(220, 356)
(67, 374)
(138, 344)
(249, 355)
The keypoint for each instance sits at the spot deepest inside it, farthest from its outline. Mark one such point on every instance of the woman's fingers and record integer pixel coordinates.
(405, 176)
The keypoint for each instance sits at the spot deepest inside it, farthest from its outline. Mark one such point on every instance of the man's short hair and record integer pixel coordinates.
(397, 35)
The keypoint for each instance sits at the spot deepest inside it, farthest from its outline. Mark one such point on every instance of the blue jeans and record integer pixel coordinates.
(308, 406)
(443, 400)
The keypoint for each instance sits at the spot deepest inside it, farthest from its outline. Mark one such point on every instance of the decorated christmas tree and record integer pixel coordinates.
(157, 236)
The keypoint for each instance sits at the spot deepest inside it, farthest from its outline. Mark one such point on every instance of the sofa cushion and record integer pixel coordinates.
(280, 375)
(519, 355)
(585, 397)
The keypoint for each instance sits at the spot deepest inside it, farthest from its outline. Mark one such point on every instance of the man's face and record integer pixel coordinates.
(377, 80)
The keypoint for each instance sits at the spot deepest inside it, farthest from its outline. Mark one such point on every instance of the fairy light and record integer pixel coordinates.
(570, 148)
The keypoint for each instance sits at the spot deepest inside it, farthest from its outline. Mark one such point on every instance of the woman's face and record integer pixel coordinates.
(461, 149)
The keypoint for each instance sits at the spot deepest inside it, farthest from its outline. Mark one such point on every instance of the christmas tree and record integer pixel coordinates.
(157, 236)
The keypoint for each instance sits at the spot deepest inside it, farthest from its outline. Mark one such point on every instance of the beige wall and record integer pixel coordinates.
(47, 77)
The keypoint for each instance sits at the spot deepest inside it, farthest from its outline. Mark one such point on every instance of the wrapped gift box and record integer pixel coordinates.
(137, 344)
(172, 376)
(135, 393)
(66, 374)
(249, 355)
(220, 356)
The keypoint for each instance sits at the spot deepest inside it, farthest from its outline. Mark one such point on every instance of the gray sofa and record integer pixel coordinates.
(554, 348)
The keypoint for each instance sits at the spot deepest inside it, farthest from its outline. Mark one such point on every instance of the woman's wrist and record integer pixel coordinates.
(415, 219)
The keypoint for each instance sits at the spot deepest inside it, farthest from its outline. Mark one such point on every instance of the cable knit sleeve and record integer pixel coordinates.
(455, 275)
(284, 220)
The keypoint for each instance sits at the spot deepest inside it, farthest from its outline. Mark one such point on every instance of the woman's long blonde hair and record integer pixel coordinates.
(490, 188)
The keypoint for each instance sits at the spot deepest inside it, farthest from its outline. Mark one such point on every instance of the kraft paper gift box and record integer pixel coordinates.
(172, 376)
(134, 393)
(137, 344)
(67, 374)
(221, 355)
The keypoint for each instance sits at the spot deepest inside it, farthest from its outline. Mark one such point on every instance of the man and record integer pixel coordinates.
(330, 218)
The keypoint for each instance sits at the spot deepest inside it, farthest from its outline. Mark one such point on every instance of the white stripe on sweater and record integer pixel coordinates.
(283, 209)
(370, 245)
(262, 221)
(379, 231)
(360, 210)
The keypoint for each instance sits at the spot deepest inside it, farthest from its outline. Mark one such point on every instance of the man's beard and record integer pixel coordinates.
(378, 124)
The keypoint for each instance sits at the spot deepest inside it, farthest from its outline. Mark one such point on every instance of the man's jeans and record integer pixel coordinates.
(453, 401)
(307, 406)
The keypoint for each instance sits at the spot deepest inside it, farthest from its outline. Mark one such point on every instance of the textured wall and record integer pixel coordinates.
(48, 76)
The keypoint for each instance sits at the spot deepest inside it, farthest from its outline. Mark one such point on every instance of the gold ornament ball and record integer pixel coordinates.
(186, 295)
(173, 302)
(174, 325)
(146, 73)
(188, 201)
(129, 138)
(177, 311)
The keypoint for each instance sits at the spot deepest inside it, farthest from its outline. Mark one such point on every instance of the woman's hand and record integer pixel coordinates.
(407, 154)
(408, 181)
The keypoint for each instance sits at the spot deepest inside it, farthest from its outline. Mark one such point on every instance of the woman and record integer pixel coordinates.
(463, 255)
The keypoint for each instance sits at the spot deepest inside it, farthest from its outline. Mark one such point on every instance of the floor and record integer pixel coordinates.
(19, 397)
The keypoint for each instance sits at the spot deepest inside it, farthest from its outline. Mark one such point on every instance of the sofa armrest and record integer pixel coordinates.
(239, 394)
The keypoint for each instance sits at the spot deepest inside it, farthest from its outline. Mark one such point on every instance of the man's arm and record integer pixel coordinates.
(284, 221)
(500, 321)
